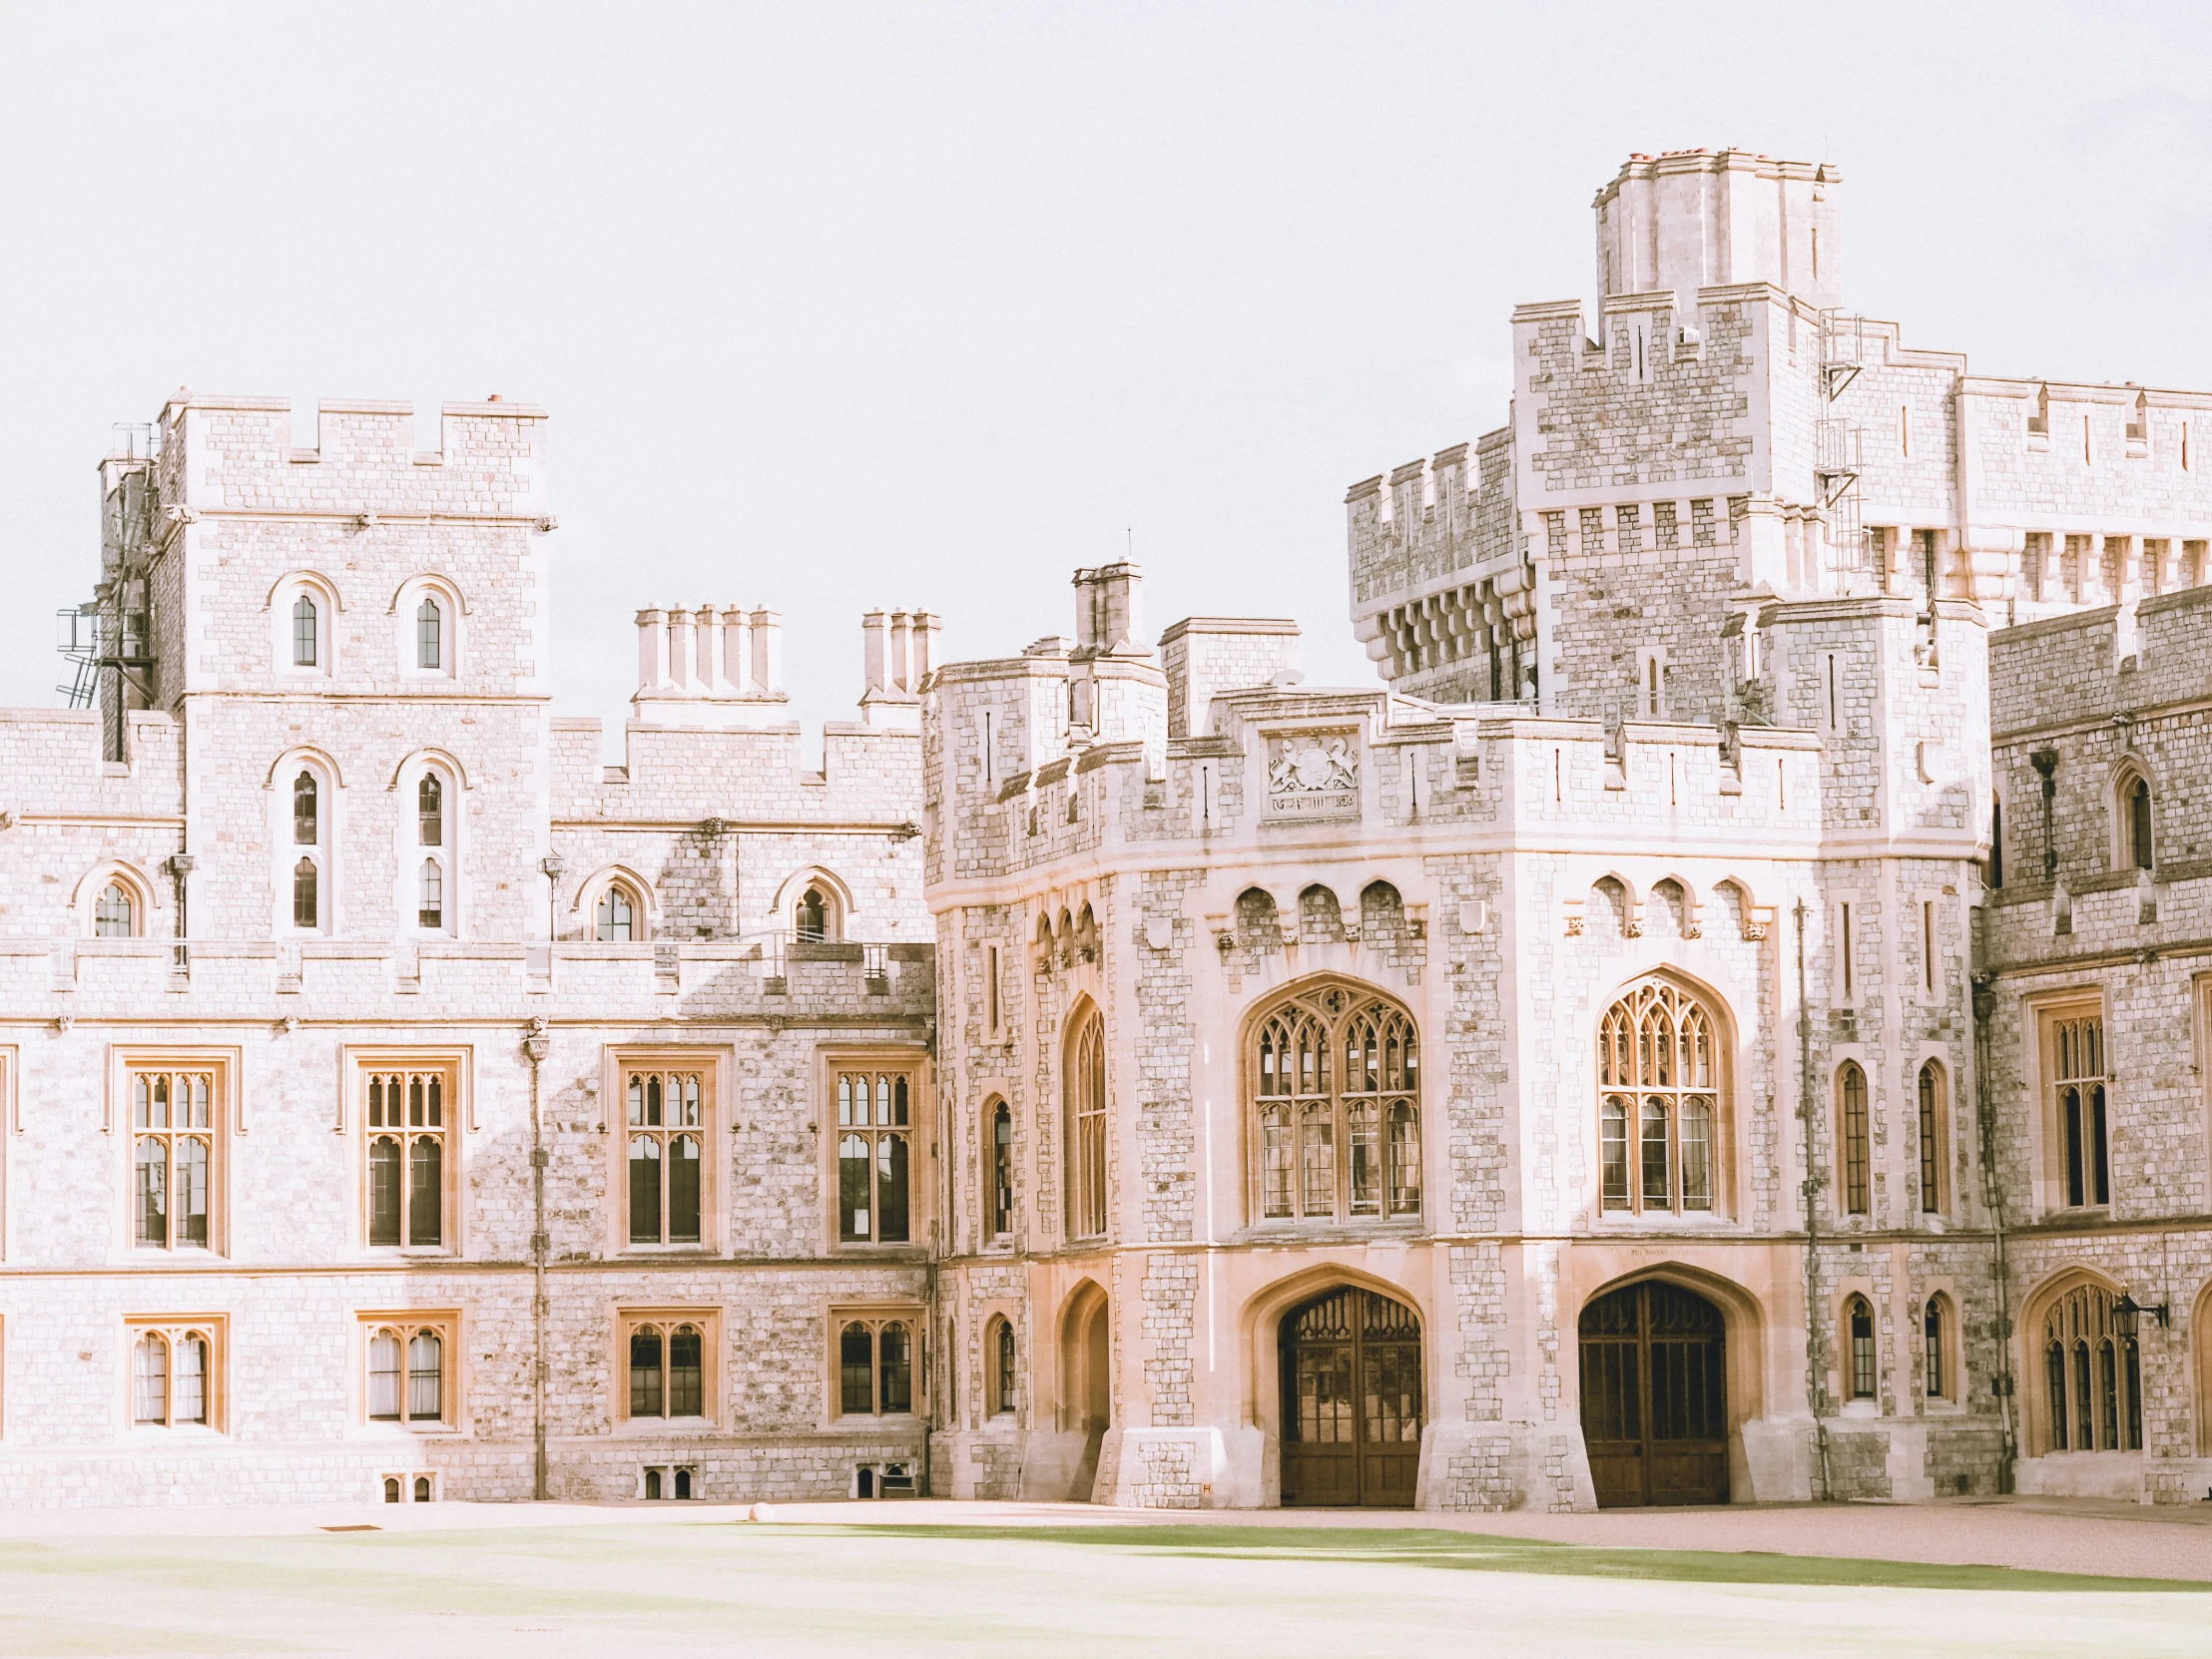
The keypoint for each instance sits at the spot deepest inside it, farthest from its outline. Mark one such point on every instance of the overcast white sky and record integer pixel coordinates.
(926, 306)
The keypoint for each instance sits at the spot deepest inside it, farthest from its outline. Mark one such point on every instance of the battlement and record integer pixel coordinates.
(1695, 219)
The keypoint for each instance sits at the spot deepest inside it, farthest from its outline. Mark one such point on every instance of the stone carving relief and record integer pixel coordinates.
(1313, 775)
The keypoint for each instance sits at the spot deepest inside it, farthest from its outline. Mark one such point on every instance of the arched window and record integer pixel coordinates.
(1859, 1320)
(1335, 1108)
(1002, 1170)
(422, 1488)
(1659, 1082)
(430, 635)
(172, 1157)
(666, 1124)
(305, 633)
(668, 1370)
(2076, 1049)
(1851, 1139)
(2092, 1376)
(1000, 1346)
(407, 1158)
(307, 811)
(614, 917)
(875, 1369)
(1932, 1106)
(391, 1488)
(1936, 1323)
(1996, 844)
(431, 811)
(115, 914)
(2135, 824)
(1085, 1091)
(169, 1378)
(814, 917)
(431, 895)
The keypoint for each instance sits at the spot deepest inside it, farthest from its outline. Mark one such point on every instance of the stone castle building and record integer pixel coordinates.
(1719, 1022)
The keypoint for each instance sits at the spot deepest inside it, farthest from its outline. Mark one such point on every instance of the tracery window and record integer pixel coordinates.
(1085, 1090)
(2092, 1376)
(172, 1158)
(1859, 1322)
(1658, 1102)
(407, 1374)
(876, 1113)
(115, 914)
(666, 1123)
(1337, 1108)
(1851, 1139)
(814, 922)
(668, 1368)
(407, 1118)
(2075, 1054)
(614, 917)
(172, 1370)
(876, 1367)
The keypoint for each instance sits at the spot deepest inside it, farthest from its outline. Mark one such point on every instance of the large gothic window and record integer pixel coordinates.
(1659, 1097)
(2092, 1379)
(1336, 1083)
(1086, 1109)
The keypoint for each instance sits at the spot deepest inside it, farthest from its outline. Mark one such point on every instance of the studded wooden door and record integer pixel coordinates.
(1352, 1402)
(1654, 1401)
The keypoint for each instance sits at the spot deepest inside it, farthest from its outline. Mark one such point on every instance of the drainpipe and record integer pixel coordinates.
(1992, 1194)
(1816, 1368)
(536, 1046)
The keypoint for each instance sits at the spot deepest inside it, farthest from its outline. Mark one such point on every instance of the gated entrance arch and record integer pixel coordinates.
(1654, 1396)
(1352, 1400)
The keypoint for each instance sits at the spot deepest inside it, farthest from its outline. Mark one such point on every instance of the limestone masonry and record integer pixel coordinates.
(1719, 1022)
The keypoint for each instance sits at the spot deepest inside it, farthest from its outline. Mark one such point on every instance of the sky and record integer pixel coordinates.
(839, 307)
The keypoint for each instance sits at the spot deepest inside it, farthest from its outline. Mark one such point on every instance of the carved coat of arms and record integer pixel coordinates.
(1313, 775)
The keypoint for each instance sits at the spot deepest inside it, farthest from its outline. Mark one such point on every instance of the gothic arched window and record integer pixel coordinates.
(1851, 1142)
(1086, 1113)
(1659, 1102)
(615, 917)
(2092, 1376)
(1336, 1087)
(305, 633)
(430, 635)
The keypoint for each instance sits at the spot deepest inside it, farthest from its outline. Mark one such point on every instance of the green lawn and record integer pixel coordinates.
(675, 1588)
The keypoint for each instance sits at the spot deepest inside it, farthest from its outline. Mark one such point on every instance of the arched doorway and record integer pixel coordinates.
(1086, 1382)
(1654, 1396)
(1352, 1402)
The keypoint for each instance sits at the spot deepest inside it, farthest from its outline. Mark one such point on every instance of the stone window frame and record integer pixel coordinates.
(1943, 1296)
(456, 1064)
(914, 1059)
(1309, 996)
(836, 906)
(214, 1331)
(142, 892)
(716, 1065)
(288, 850)
(1940, 1108)
(1000, 1165)
(410, 853)
(644, 908)
(282, 598)
(1854, 1365)
(1087, 1118)
(2042, 1014)
(875, 1315)
(11, 1125)
(1724, 1207)
(1002, 1392)
(1853, 1139)
(2132, 846)
(407, 1323)
(126, 1063)
(406, 603)
(628, 1320)
(2040, 1312)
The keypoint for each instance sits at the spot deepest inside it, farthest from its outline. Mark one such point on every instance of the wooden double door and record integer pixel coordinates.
(1654, 1396)
(1352, 1402)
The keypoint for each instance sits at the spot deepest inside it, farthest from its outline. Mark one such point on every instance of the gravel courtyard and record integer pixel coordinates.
(1003, 1579)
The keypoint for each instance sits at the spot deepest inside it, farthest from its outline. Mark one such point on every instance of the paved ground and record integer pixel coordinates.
(990, 1579)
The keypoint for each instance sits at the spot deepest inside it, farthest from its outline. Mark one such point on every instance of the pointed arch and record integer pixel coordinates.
(415, 760)
(282, 768)
(793, 912)
(1086, 1119)
(1665, 1102)
(585, 903)
(143, 893)
(2083, 1379)
(2134, 814)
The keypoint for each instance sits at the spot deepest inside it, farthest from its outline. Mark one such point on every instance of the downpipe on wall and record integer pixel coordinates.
(1816, 1393)
(536, 1046)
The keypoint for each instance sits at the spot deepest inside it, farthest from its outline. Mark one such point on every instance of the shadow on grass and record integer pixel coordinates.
(1481, 1552)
